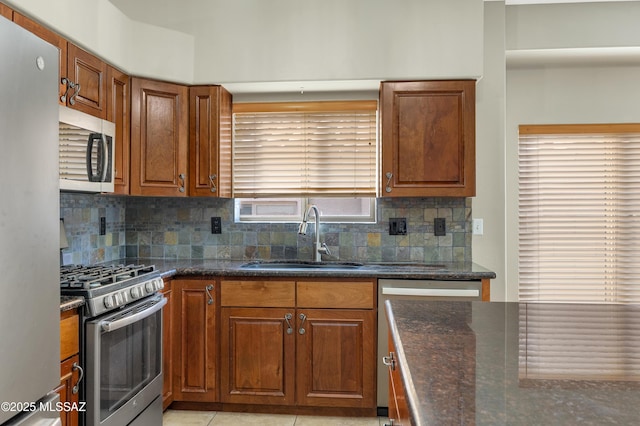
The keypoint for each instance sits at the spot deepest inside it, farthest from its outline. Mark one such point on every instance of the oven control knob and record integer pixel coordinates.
(160, 283)
(108, 302)
(125, 297)
(149, 287)
(135, 292)
(118, 299)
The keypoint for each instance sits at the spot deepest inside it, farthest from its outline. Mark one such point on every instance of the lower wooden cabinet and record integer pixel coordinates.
(313, 354)
(257, 356)
(195, 350)
(70, 370)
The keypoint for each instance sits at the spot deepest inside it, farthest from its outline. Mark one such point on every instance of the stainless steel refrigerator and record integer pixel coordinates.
(29, 228)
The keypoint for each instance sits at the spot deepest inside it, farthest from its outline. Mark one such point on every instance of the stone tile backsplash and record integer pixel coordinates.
(179, 228)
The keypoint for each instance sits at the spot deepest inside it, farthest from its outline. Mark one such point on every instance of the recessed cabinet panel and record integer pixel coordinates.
(430, 152)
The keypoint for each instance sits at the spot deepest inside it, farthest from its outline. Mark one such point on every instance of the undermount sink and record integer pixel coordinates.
(293, 264)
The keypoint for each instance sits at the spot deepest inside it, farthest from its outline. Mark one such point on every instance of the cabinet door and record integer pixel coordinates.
(159, 138)
(6, 11)
(52, 38)
(69, 375)
(118, 112)
(336, 358)
(209, 141)
(195, 355)
(428, 138)
(90, 76)
(167, 346)
(257, 356)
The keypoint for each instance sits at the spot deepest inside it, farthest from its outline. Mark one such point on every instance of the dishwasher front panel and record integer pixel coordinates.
(418, 290)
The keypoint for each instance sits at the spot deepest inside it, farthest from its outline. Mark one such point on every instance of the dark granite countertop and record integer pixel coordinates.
(230, 268)
(490, 363)
(70, 302)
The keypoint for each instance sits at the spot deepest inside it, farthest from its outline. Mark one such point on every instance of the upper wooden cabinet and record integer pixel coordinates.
(118, 111)
(159, 138)
(6, 11)
(83, 80)
(52, 38)
(428, 138)
(209, 141)
(87, 82)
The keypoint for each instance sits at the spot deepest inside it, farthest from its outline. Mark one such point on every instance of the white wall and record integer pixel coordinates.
(488, 249)
(99, 27)
(576, 92)
(292, 40)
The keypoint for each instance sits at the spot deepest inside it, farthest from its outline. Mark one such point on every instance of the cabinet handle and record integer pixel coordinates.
(72, 99)
(303, 317)
(389, 361)
(208, 289)
(388, 188)
(69, 85)
(76, 388)
(181, 176)
(213, 185)
(287, 317)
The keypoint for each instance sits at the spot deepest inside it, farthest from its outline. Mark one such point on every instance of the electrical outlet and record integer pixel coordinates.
(439, 226)
(103, 226)
(216, 225)
(397, 226)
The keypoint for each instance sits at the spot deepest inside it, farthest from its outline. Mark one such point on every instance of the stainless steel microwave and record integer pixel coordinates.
(86, 152)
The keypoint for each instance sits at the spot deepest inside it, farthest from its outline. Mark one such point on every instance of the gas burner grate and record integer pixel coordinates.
(93, 276)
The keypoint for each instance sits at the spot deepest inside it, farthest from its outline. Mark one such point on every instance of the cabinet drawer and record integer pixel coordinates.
(69, 334)
(339, 295)
(259, 294)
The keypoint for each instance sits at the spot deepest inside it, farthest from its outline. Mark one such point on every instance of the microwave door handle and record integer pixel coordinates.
(105, 158)
(110, 326)
(90, 142)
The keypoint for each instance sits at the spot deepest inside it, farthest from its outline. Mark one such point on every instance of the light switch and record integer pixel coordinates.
(478, 227)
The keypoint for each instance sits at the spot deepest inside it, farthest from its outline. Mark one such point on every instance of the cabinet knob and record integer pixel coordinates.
(76, 388)
(287, 318)
(213, 184)
(208, 290)
(389, 361)
(388, 187)
(181, 176)
(303, 318)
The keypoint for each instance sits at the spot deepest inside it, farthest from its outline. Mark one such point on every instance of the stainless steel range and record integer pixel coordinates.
(121, 340)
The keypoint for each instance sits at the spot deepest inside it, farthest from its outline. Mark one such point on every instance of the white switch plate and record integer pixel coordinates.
(478, 227)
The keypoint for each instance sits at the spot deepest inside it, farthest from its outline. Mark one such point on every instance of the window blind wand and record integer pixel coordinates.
(320, 249)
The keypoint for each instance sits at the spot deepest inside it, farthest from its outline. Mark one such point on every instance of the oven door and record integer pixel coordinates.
(124, 362)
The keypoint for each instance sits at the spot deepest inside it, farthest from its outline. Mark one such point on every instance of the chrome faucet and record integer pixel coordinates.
(320, 249)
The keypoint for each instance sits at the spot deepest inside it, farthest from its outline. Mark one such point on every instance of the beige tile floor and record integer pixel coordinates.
(213, 418)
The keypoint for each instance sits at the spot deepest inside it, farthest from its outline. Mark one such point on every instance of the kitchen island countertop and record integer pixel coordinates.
(491, 363)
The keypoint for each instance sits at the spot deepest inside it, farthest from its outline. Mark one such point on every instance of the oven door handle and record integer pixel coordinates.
(110, 326)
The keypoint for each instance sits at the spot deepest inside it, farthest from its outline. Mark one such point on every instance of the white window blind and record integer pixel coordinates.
(579, 213)
(316, 149)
